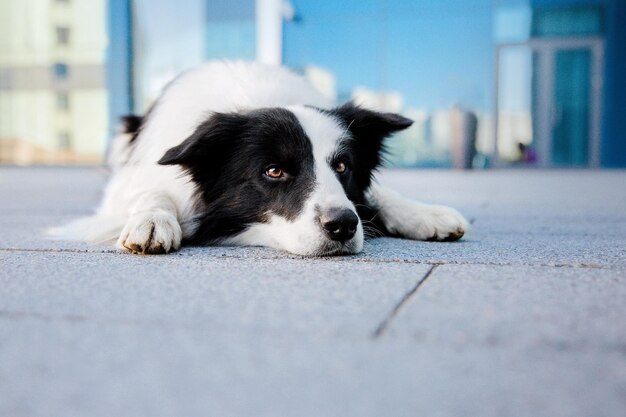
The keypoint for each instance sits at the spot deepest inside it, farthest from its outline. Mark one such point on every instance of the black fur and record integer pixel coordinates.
(131, 123)
(364, 150)
(228, 154)
(227, 157)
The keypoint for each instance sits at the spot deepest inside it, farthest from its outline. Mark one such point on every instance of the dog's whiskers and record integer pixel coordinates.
(371, 231)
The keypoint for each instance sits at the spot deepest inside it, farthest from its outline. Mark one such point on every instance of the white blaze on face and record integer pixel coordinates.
(304, 235)
(325, 135)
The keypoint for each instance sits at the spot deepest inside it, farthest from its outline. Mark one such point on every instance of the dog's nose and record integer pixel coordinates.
(339, 223)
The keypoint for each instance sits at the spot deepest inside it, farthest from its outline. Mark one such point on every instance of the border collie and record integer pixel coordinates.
(239, 153)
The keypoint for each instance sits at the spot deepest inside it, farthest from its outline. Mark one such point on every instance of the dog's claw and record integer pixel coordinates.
(454, 236)
(151, 233)
(133, 248)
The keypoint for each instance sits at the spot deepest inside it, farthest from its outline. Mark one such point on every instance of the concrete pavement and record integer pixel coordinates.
(525, 316)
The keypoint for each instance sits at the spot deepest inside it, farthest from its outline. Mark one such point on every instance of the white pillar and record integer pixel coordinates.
(269, 31)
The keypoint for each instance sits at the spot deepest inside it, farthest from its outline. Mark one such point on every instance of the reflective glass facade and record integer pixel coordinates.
(522, 82)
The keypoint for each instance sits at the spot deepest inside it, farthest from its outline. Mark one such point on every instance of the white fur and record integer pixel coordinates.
(415, 220)
(136, 192)
(149, 208)
(301, 236)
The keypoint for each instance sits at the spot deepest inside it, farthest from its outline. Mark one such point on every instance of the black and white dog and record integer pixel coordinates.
(239, 153)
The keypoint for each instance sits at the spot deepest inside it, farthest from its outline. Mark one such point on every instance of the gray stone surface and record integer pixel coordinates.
(294, 296)
(526, 307)
(524, 317)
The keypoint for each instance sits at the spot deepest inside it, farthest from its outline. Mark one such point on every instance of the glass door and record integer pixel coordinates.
(572, 105)
(548, 102)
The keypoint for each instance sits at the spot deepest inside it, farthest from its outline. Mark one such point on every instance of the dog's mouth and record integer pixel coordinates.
(331, 248)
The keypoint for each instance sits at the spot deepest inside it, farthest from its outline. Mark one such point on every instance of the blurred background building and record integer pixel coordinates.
(488, 82)
(53, 95)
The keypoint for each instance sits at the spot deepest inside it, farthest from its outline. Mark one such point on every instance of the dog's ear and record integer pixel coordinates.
(369, 129)
(204, 153)
(209, 141)
(367, 124)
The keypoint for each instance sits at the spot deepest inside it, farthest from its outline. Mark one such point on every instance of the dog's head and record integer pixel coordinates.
(290, 178)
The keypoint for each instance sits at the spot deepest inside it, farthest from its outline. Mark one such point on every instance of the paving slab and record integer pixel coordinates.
(59, 367)
(325, 297)
(518, 307)
(523, 317)
(51, 190)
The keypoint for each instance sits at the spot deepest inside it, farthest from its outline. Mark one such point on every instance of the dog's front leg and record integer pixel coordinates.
(410, 219)
(152, 226)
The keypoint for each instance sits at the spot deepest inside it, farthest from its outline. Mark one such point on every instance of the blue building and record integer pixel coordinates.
(546, 78)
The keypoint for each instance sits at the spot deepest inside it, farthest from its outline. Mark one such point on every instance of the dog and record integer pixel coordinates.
(239, 153)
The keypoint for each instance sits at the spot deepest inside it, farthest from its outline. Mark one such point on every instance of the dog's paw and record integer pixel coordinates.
(151, 232)
(437, 223)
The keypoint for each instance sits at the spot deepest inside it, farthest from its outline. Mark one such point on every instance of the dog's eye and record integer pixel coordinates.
(274, 172)
(340, 167)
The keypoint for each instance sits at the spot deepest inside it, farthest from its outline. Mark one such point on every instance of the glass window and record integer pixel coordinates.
(512, 23)
(176, 36)
(60, 70)
(62, 35)
(230, 30)
(570, 144)
(425, 59)
(63, 101)
(567, 21)
(515, 102)
(65, 141)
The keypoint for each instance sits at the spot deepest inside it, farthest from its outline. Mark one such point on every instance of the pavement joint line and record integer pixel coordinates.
(57, 250)
(384, 325)
(13, 315)
(331, 258)
(75, 318)
(47, 213)
(442, 262)
(167, 323)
